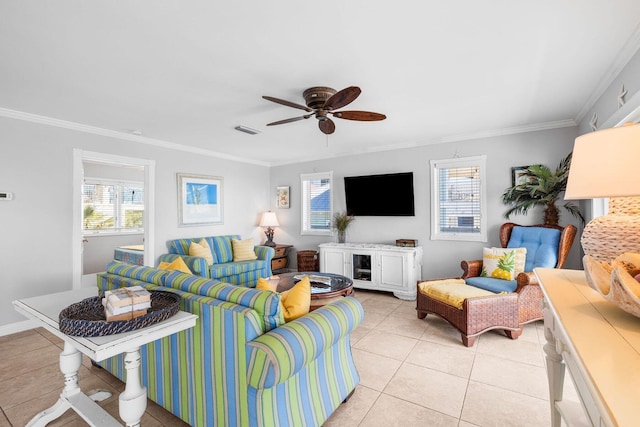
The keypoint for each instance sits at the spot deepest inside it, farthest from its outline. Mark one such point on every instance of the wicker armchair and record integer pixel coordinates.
(508, 312)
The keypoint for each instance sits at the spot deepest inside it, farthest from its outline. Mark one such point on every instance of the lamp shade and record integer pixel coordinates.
(269, 220)
(605, 164)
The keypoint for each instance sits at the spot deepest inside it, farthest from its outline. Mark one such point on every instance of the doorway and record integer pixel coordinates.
(84, 275)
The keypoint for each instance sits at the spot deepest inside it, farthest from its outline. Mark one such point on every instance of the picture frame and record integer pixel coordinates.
(200, 199)
(282, 197)
(518, 176)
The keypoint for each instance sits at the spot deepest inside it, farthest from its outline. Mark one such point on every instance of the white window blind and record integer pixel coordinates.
(112, 207)
(458, 199)
(317, 203)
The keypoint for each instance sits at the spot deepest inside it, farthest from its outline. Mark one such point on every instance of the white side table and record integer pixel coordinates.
(133, 400)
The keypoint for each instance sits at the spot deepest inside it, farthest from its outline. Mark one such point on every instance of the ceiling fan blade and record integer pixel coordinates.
(287, 103)
(342, 98)
(293, 119)
(327, 126)
(364, 116)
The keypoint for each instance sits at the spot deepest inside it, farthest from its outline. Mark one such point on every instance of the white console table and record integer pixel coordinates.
(379, 267)
(599, 344)
(133, 400)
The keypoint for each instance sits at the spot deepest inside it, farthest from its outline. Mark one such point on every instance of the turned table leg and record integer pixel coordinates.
(70, 362)
(133, 400)
(555, 375)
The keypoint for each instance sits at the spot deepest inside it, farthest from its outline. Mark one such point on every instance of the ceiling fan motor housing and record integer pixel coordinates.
(316, 96)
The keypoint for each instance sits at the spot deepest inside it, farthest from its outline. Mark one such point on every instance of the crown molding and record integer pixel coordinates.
(506, 131)
(627, 52)
(79, 127)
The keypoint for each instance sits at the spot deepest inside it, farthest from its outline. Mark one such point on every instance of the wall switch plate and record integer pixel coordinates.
(6, 196)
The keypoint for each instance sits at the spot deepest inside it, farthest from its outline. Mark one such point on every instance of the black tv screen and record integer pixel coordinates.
(380, 195)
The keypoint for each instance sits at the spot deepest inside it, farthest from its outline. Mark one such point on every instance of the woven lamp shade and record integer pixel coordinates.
(605, 164)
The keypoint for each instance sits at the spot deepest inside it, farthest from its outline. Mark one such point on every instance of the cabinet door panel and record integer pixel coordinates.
(393, 269)
(334, 262)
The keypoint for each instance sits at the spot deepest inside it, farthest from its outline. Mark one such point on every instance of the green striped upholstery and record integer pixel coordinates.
(242, 273)
(139, 272)
(229, 371)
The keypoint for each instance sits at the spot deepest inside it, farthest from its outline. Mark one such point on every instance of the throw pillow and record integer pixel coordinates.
(243, 250)
(201, 249)
(267, 284)
(177, 264)
(297, 300)
(503, 263)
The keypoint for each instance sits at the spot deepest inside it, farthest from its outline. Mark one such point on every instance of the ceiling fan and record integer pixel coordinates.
(322, 101)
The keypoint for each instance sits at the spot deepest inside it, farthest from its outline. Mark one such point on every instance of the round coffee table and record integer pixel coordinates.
(321, 293)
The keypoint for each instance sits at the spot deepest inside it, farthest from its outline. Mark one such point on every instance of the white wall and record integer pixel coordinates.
(36, 227)
(441, 258)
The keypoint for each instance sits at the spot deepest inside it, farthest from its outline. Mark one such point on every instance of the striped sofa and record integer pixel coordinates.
(241, 365)
(241, 273)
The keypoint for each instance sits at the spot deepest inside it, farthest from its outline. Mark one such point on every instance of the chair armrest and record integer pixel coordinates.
(471, 268)
(265, 252)
(197, 265)
(283, 352)
(527, 278)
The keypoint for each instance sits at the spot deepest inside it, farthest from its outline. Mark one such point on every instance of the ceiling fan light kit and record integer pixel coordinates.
(321, 101)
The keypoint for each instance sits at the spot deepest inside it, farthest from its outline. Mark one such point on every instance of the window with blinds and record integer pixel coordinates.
(317, 203)
(112, 207)
(458, 199)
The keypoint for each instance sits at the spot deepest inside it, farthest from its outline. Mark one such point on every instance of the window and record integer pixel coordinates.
(112, 206)
(458, 199)
(317, 203)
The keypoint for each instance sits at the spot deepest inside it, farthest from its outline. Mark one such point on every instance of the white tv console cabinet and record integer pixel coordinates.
(374, 266)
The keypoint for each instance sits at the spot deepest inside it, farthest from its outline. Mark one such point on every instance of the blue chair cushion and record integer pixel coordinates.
(492, 285)
(541, 243)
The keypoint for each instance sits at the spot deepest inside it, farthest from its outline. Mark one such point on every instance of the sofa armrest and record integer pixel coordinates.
(197, 265)
(471, 268)
(527, 278)
(265, 253)
(282, 352)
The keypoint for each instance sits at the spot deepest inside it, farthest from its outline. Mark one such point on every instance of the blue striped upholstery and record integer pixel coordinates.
(243, 273)
(229, 371)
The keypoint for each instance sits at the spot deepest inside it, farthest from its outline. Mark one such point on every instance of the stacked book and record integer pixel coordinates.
(126, 303)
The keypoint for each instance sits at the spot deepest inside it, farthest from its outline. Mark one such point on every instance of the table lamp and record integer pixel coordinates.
(269, 220)
(605, 164)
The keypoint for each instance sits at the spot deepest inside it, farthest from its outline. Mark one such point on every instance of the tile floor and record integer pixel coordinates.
(412, 373)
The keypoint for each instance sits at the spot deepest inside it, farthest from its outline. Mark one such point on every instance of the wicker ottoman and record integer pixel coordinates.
(471, 310)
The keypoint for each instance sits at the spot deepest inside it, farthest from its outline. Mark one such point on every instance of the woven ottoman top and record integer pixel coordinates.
(451, 291)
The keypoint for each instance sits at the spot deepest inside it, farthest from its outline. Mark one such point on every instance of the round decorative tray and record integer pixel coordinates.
(86, 318)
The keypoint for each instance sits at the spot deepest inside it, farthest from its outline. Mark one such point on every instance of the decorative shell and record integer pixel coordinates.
(615, 281)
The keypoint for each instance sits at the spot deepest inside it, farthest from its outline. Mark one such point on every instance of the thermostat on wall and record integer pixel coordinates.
(6, 196)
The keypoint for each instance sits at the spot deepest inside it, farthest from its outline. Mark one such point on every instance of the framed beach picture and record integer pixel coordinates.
(199, 199)
(518, 175)
(282, 197)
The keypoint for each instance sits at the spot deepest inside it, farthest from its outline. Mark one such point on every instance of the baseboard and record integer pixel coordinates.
(16, 327)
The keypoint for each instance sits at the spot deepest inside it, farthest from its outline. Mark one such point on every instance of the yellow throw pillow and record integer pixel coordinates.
(267, 285)
(503, 263)
(177, 264)
(243, 250)
(297, 300)
(201, 249)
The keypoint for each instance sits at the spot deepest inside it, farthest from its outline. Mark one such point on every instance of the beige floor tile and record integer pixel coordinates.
(441, 332)
(19, 364)
(411, 328)
(530, 333)
(372, 319)
(386, 344)
(406, 310)
(389, 411)
(443, 358)
(515, 376)
(351, 413)
(23, 344)
(379, 305)
(486, 405)
(358, 333)
(428, 388)
(375, 370)
(518, 350)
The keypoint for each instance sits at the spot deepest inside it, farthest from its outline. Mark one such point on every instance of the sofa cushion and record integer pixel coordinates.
(234, 268)
(297, 300)
(541, 244)
(451, 292)
(138, 272)
(223, 248)
(201, 249)
(503, 263)
(177, 264)
(243, 250)
(492, 285)
(266, 304)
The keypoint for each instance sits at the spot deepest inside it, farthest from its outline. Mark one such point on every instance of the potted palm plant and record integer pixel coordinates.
(541, 187)
(341, 221)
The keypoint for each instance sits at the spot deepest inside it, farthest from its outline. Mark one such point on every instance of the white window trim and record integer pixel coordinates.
(303, 220)
(436, 234)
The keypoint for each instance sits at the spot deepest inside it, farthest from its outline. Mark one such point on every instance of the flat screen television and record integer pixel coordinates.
(380, 195)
